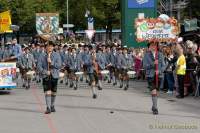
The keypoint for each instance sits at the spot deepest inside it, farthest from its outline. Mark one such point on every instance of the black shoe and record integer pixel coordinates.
(114, 84)
(37, 82)
(66, 83)
(94, 96)
(23, 85)
(99, 88)
(75, 87)
(109, 81)
(53, 109)
(89, 83)
(71, 85)
(61, 82)
(155, 111)
(27, 87)
(86, 81)
(126, 88)
(121, 86)
(179, 97)
(48, 111)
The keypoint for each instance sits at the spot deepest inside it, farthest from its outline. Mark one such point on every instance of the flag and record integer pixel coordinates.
(5, 22)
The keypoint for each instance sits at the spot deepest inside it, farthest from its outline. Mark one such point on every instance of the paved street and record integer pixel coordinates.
(115, 111)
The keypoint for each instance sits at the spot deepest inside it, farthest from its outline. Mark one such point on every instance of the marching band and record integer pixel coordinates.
(69, 65)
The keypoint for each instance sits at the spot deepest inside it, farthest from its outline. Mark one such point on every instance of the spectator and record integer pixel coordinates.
(180, 71)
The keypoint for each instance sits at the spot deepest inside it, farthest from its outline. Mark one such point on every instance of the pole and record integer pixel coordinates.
(171, 8)
(67, 15)
(157, 69)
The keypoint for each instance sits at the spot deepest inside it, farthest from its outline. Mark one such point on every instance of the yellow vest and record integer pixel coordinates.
(182, 63)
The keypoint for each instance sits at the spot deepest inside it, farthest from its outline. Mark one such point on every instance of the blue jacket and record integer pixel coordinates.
(89, 64)
(149, 66)
(101, 60)
(16, 50)
(26, 61)
(74, 63)
(55, 65)
(113, 59)
(36, 54)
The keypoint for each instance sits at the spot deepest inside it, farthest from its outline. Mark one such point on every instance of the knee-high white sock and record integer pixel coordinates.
(94, 90)
(48, 100)
(99, 83)
(154, 101)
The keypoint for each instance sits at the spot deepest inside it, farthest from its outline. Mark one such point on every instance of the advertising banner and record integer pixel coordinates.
(141, 3)
(156, 29)
(7, 75)
(5, 22)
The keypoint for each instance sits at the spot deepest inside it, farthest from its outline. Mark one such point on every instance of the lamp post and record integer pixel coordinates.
(67, 15)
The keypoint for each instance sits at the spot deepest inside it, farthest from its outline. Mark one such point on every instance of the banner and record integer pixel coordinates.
(141, 3)
(5, 22)
(156, 29)
(47, 23)
(90, 23)
(190, 25)
(7, 75)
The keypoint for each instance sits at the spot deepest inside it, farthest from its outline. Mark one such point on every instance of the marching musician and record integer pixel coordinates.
(26, 63)
(65, 63)
(75, 66)
(36, 53)
(150, 60)
(127, 64)
(120, 67)
(113, 65)
(108, 62)
(85, 56)
(101, 61)
(16, 50)
(92, 70)
(49, 65)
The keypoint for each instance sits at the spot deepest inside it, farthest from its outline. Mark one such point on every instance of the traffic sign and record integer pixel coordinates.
(68, 25)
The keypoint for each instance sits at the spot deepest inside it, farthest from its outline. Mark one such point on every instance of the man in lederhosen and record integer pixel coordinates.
(26, 63)
(92, 70)
(74, 65)
(127, 64)
(151, 59)
(49, 65)
(84, 59)
(36, 53)
(113, 65)
(120, 67)
(65, 64)
(101, 60)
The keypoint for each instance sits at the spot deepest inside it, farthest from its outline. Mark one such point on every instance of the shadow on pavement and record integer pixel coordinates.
(5, 92)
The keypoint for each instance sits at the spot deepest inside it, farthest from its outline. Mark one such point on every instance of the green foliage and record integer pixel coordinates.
(105, 12)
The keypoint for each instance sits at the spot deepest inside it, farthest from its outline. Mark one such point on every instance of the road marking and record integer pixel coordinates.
(41, 109)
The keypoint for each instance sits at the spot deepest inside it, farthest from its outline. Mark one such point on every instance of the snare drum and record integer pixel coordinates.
(61, 75)
(17, 70)
(105, 72)
(79, 74)
(131, 74)
(30, 74)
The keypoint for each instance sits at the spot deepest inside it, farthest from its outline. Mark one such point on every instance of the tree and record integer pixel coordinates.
(107, 14)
